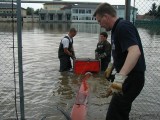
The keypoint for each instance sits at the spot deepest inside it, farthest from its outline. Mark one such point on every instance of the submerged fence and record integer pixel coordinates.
(146, 20)
(8, 75)
(11, 79)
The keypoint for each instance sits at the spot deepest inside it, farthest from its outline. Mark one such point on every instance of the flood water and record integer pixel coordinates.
(45, 88)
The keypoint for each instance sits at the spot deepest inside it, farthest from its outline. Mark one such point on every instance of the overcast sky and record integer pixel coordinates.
(143, 5)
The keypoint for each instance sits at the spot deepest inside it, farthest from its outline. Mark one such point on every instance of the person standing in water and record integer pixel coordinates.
(103, 51)
(128, 58)
(66, 51)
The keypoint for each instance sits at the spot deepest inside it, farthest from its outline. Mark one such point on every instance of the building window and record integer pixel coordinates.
(88, 11)
(43, 17)
(68, 16)
(88, 18)
(51, 16)
(93, 18)
(81, 18)
(59, 16)
(81, 11)
(75, 11)
(75, 18)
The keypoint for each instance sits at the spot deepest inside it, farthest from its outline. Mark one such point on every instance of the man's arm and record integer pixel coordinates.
(65, 43)
(67, 52)
(73, 53)
(131, 60)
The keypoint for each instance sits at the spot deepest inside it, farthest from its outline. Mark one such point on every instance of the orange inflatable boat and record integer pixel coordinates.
(79, 109)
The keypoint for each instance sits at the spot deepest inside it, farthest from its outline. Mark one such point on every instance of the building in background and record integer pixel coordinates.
(60, 11)
(9, 11)
(76, 12)
(55, 12)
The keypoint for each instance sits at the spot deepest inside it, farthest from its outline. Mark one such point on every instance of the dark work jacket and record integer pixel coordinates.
(123, 35)
(104, 47)
(61, 52)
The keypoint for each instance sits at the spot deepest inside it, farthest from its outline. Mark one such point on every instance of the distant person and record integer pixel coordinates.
(66, 51)
(103, 51)
(128, 58)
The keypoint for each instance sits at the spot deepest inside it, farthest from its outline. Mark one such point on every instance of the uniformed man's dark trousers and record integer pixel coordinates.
(120, 104)
(65, 63)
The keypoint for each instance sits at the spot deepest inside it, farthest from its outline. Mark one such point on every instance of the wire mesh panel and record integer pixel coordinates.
(8, 62)
(7, 76)
(146, 106)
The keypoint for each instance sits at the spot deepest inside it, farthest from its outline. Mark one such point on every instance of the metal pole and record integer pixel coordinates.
(20, 65)
(134, 13)
(127, 9)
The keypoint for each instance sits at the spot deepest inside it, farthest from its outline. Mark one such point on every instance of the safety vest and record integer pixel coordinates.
(61, 52)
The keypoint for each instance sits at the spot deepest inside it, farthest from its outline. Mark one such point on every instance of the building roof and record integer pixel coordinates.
(70, 3)
(8, 6)
(83, 4)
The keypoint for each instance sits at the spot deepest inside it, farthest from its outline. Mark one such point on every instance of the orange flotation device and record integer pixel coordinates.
(79, 109)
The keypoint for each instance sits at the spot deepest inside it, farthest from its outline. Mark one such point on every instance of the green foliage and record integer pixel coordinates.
(155, 11)
(37, 12)
(30, 11)
(158, 12)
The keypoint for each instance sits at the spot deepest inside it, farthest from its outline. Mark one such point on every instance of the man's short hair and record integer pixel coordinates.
(104, 8)
(72, 30)
(104, 34)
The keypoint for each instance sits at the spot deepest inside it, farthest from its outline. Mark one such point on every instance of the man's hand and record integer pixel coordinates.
(73, 57)
(103, 55)
(116, 86)
(109, 70)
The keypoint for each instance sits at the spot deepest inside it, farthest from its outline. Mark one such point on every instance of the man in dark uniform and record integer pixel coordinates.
(66, 51)
(129, 61)
(103, 51)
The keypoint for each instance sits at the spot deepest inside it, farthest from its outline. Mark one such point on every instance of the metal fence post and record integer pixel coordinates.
(127, 9)
(20, 65)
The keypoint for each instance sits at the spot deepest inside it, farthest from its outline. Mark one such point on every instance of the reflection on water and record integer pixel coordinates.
(45, 88)
(64, 88)
(54, 27)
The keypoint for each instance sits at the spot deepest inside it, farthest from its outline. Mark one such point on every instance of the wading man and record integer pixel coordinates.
(103, 51)
(66, 51)
(128, 58)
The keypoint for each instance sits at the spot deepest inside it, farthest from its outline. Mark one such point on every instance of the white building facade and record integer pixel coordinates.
(76, 12)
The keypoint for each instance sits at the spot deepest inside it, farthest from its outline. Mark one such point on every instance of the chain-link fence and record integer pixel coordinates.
(148, 23)
(145, 107)
(9, 97)
(8, 75)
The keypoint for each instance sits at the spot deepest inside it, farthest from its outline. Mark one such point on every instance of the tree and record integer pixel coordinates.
(37, 12)
(154, 6)
(153, 11)
(30, 11)
(158, 12)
